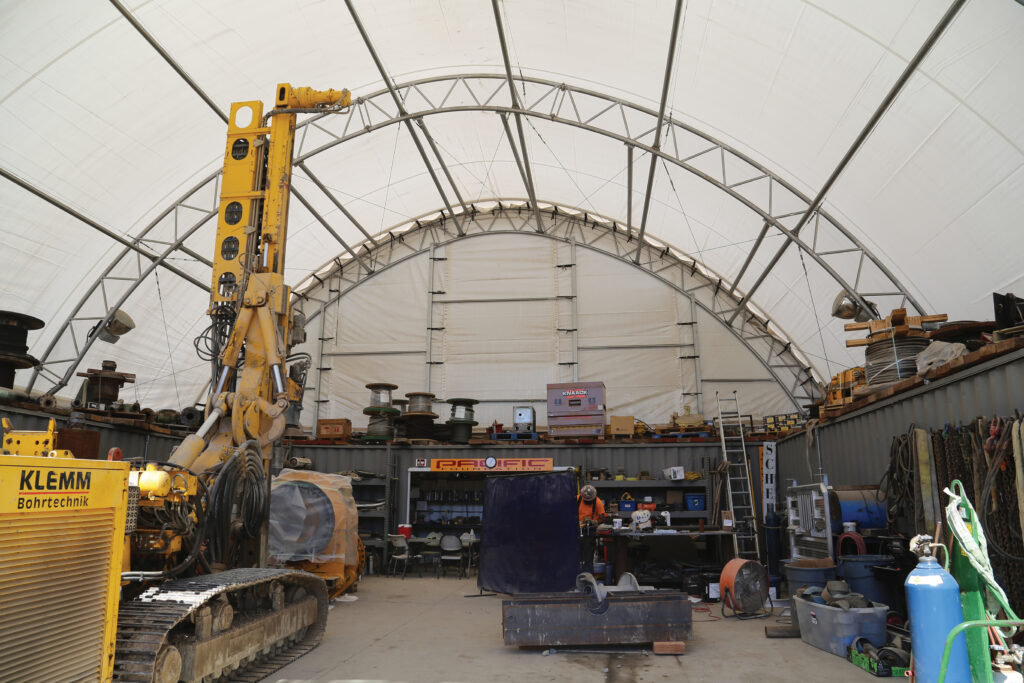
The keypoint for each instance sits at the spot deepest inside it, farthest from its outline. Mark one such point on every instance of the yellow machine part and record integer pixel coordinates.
(32, 443)
(62, 527)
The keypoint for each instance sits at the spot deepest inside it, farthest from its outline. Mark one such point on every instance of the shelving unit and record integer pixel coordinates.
(446, 503)
(376, 522)
(656, 489)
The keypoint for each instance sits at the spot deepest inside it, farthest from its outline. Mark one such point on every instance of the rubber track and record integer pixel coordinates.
(144, 623)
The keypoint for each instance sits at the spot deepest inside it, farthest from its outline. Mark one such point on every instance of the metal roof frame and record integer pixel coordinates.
(555, 102)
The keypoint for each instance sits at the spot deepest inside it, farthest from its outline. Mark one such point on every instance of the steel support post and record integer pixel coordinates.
(661, 119)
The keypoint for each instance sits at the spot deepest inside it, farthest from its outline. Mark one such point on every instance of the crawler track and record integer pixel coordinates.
(163, 616)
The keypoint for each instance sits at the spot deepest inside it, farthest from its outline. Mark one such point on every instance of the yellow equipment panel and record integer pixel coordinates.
(62, 525)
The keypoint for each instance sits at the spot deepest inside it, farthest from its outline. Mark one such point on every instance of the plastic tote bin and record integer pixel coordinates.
(832, 629)
(695, 501)
(627, 505)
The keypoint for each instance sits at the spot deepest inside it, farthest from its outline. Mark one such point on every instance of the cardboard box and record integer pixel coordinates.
(620, 424)
(334, 429)
(673, 496)
(675, 473)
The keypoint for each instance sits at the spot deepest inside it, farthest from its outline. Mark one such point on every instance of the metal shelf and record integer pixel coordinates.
(372, 513)
(646, 483)
(371, 481)
(681, 514)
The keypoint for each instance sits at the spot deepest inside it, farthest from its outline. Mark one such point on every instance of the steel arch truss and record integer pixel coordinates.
(778, 204)
(491, 217)
(160, 241)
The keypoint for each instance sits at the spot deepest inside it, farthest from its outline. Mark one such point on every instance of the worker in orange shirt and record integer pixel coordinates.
(591, 508)
(591, 513)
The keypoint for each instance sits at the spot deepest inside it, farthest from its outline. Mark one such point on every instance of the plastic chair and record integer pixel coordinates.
(467, 548)
(451, 551)
(403, 554)
(431, 550)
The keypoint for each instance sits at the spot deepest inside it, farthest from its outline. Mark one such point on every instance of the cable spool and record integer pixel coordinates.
(380, 394)
(461, 421)
(401, 404)
(462, 409)
(381, 426)
(418, 425)
(14, 329)
(420, 416)
(891, 360)
(421, 402)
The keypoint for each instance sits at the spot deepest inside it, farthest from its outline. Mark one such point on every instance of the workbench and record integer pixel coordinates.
(616, 542)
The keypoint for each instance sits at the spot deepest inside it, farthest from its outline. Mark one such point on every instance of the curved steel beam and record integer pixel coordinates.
(368, 108)
(477, 92)
(96, 294)
(569, 224)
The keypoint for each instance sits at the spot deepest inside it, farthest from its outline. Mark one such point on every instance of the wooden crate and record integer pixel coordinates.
(334, 429)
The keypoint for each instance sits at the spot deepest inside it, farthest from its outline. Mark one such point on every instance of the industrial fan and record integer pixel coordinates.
(744, 586)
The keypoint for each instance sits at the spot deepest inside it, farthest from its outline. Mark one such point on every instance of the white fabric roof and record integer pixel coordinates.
(91, 115)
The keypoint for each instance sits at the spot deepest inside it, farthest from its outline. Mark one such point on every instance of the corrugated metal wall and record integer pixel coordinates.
(134, 443)
(855, 448)
(632, 457)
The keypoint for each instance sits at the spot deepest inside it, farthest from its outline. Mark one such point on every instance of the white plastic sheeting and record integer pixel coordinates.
(502, 333)
(90, 114)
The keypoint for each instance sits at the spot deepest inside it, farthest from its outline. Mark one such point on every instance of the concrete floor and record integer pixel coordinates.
(424, 630)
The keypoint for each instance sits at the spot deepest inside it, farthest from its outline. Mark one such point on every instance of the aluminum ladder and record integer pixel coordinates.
(745, 543)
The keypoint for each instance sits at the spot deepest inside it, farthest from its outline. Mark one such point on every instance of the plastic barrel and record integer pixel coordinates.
(858, 572)
(808, 576)
(860, 505)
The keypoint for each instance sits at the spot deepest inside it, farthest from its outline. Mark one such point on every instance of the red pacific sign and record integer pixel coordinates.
(491, 464)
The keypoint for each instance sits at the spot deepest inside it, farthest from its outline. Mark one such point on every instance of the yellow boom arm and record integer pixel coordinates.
(248, 279)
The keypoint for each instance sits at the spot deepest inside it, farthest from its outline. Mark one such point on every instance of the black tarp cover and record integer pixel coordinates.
(530, 539)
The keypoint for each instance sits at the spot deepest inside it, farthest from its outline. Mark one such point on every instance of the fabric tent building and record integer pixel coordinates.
(671, 149)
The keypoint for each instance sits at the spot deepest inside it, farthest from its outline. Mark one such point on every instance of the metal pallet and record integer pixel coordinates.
(745, 541)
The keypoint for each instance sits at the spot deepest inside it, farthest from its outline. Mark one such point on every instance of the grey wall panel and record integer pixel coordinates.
(632, 457)
(855, 448)
(134, 443)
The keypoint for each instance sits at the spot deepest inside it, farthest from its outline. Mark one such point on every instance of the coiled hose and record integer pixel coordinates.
(240, 484)
(897, 485)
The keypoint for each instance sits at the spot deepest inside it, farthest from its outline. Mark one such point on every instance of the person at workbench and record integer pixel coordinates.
(590, 507)
(591, 513)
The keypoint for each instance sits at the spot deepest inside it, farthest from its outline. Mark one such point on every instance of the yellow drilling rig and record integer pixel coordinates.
(154, 571)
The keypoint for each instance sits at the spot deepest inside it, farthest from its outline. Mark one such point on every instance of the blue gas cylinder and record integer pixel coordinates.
(933, 601)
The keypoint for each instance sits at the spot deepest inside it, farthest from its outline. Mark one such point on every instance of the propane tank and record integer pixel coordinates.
(933, 603)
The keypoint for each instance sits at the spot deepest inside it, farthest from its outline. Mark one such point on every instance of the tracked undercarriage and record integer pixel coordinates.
(238, 625)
